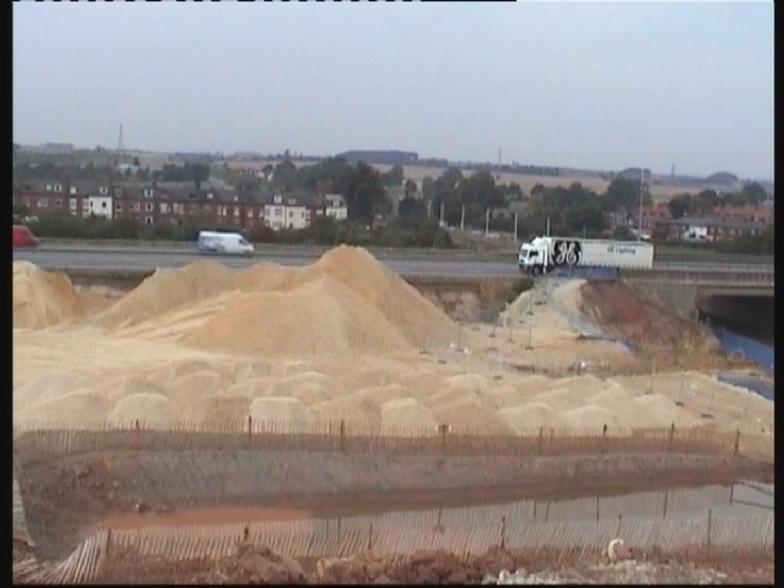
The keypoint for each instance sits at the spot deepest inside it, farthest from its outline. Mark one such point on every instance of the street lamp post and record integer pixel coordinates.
(639, 220)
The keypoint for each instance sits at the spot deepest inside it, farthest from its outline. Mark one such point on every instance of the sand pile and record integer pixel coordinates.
(252, 388)
(658, 410)
(264, 277)
(418, 319)
(528, 418)
(405, 416)
(42, 299)
(321, 317)
(281, 414)
(361, 413)
(152, 410)
(591, 418)
(168, 289)
(79, 409)
(47, 386)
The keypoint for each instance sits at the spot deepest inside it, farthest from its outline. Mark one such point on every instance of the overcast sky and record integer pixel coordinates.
(601, 86)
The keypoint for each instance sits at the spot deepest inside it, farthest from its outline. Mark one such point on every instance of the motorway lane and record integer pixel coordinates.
(436, 265)
(137, 260)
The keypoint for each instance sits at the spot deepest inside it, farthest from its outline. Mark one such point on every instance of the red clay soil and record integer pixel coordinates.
(258, 565)
(659, 335)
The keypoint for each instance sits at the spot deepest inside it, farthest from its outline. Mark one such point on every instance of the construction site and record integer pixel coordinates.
(333, 423)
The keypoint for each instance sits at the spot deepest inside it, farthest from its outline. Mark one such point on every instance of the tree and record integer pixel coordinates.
(412, 210)
(623, 192)
(267, 171)
(754, 194)
(428, 188)
(136, 162)
(394, 177)
(705, 202)
(679, 205)
(366, 196)
(410, 188)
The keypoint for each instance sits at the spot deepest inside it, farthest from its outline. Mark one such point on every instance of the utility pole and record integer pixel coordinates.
(548, 226)
(462, 218)
(487, 222)
(441, 220)
(515, 230)
(639, 220)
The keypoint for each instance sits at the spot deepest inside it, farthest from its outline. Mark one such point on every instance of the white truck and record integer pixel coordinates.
(229, 243)
(543, 254)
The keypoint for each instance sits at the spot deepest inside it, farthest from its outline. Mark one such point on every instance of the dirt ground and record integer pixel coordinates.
(251, 565)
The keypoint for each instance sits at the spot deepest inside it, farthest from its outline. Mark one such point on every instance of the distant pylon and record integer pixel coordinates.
(120, 144)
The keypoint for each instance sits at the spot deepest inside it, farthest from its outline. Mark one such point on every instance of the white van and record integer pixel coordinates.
(231, 243)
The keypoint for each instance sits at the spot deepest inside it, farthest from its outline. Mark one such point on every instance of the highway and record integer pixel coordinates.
(422, 262)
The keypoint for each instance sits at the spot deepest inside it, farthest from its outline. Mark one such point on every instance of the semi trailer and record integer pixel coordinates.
(544, 254)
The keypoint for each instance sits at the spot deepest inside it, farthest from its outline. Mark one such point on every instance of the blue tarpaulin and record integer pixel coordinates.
(754, 350)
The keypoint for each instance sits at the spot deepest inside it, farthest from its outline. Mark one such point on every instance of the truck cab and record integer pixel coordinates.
(533, 257)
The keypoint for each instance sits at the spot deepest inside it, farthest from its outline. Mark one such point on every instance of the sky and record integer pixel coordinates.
(586, 85)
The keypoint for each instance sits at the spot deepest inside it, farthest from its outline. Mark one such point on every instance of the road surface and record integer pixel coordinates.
(431, 263)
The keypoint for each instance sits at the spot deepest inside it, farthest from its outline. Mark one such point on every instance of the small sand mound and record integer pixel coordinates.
(463, 410)
(590, 418)
(381, 394)
(252, 388)
(281, 414)
(658, 410)
(47, 386)
(357, 380)
(168, 289)
(152, 410)
(309, 377)
(79, 409)
(617, 400)
(418, 319)
(320, 318)
(125, 385)
(422, 382)
(561, 399)
(282, 369)
(226, 411)
(178, 369)
(406, 416)
(42, 299)
(528, 418)
(200, 383)
(361, 413)
(472, 382)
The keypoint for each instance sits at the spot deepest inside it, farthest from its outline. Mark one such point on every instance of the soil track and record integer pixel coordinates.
(66, 498)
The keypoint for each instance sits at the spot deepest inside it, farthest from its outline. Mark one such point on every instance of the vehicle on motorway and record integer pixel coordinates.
(227, 243)
(23, 237)
(544, 254)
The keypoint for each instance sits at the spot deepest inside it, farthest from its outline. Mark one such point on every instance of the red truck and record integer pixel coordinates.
(23, 237)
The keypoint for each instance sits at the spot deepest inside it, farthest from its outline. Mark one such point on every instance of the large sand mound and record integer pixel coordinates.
(420, 322)
(168, 289)
(321, 317)
(42, 299)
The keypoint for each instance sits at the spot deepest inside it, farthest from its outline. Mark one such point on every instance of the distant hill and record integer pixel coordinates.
(722, 178)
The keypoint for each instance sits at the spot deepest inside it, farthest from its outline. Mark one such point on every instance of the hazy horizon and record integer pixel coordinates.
(588, 86)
